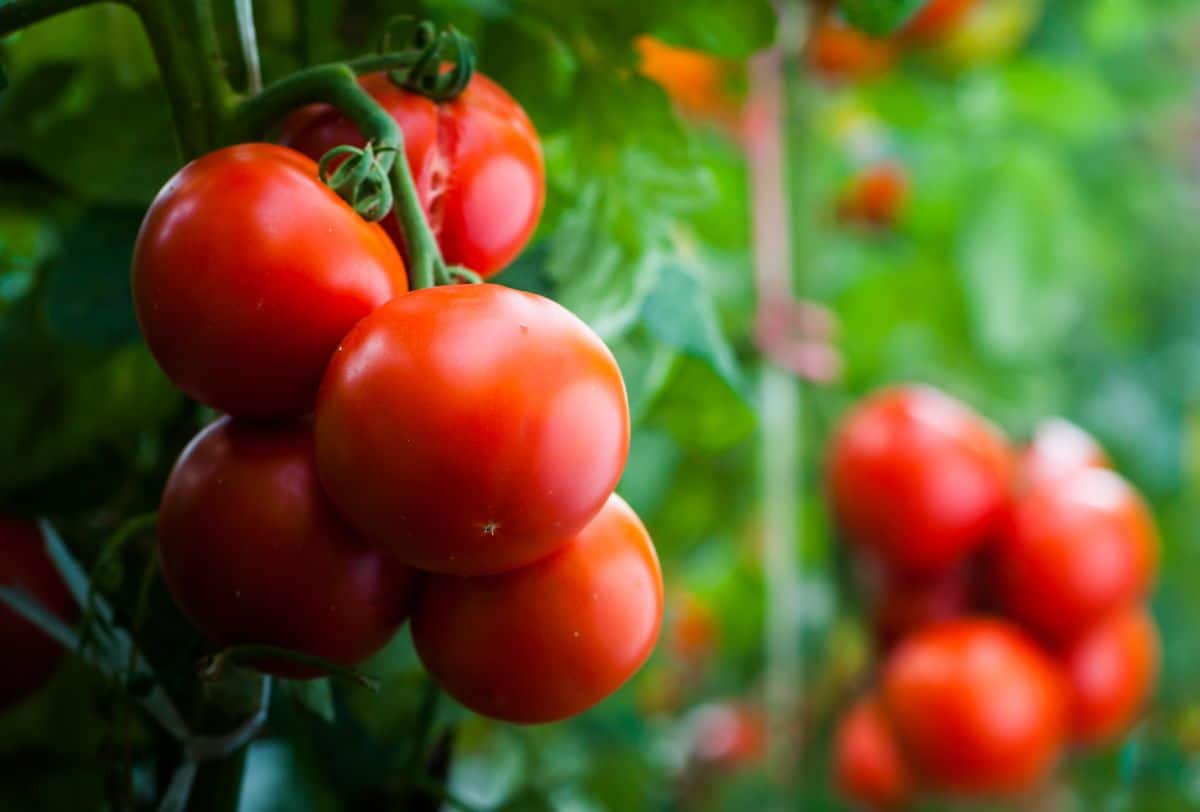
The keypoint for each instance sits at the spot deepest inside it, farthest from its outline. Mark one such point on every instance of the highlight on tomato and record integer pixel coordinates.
(1058, 448)
(868, 767)
(552, 639)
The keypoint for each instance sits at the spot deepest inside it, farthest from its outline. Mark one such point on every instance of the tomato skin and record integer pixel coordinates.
(471, 429)
(728, 736)
(838, 52)
(977, 708)
(1058, 448)
(476, 160)
(1112, 670)
(248, 271)
(876, 197)
(30, 656)
(917, 479)
(867, 765)
(550, 640)
(253, 552)
(1075, 549)
(937, 19)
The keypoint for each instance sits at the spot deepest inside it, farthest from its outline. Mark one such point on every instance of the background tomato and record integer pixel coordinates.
(253, 552)
(1076, 549)
(875, 197)
(550, 640)
(247, 273)
(477, 162)
(902, 605)
(976, 707)
(937, 19)
(728, 735)
(697, 82)
(29, 655)
(471, 429)
(1058, 448)
(917, 478)
(838, 52)
(867, 766)
(1112, 669)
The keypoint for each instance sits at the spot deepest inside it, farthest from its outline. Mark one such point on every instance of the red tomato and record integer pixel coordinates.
(247, 273)
(693, 629)
(937, 19)
(838, 52)
(867, 765)
(29, 655)
(1112, 669)
(477, 162)
(1075, 550)
(550, 640)
(471, 429)
(728, 735)
(917, 478)
(876, 197)
(976, 707)
(254, 553)
(1058, 448)
(903, 605)
(695, 81)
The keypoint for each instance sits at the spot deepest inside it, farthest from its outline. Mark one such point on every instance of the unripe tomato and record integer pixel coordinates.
(254, 553)
(1112, 669)
(247, 273)
(697, 82)
(550, 640)
(875, 197)
(976, 707)
(867, 766)
(476, 160)
(903, 605)
(30, 656)
(917, 478)
(1058, 448)
(937, 19)
(1075, 549)
(838, 52)
(728, 736)
(471, 429)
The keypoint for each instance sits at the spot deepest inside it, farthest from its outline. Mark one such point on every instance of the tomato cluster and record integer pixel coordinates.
(1006, 588)
(446, 454)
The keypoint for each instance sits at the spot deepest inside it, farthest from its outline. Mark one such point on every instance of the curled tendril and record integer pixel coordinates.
(361, 179)
(457, 273)
(439, 64)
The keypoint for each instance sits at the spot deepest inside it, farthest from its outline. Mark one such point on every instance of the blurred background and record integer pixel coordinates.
(1008, 213)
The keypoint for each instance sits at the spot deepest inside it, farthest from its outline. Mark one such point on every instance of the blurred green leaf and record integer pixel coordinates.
(879, 17)
(314, 695)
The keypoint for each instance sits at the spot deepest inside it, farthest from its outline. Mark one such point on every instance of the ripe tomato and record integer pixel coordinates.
(728, 735)
(1075, 549)
(254, 553)
(550, 640)
(937, 19)
(903, 605)
(875, 197)
(695, 81)
(476, 160)
(1112, 669)
(838, 52)
(976, 707)
(247, 273)
(29, 655)
(917, 478)
(867, 766)
(471, 429)
(1058, 448)
(692, 630)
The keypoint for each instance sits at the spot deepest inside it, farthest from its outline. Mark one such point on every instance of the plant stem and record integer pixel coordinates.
(18, 14)
(244, 655)
(249, 41)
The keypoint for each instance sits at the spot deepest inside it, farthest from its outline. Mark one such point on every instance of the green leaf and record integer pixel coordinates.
(731, 30)
(316, 695)
(879, 17)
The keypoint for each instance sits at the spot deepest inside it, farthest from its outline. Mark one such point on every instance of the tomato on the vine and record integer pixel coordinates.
(1058, 448)
(471, 429)
(917, 478)
(875, 197)
(937, 19)
(247, 273)
(976, 707)
(476, 160)
(728, 735)
(1075, 549)
(30, 656)
(254, 553)
(550, 640)
(867, 765)
(838, 52)
(1112, 669)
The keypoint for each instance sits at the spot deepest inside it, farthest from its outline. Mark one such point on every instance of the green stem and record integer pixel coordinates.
(212, 668)
(18, 14)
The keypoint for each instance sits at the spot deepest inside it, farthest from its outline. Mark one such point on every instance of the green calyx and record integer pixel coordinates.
(361, 179)
(439, 64)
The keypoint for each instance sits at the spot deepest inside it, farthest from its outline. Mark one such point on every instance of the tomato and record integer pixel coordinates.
(875, 197)
(976, 707)
(550, 640)
(728, 735)
(254, 554)
(247, 273)
(692, 630)
(903, 604)
(867, 766)
(1058, 448)
(917, 478)
(1075, 549)
(838, 52)
(937, 19)
(1112, 669)
(30, 656)
(697, 82)
(476, 160)
(471, 429)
